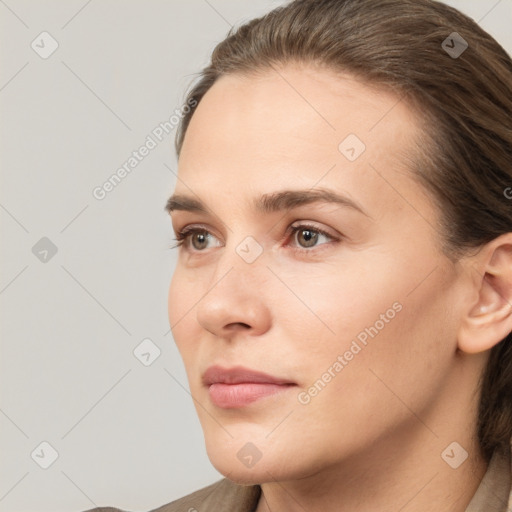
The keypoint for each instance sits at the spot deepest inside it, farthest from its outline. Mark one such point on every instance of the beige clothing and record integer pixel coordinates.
(494, 494)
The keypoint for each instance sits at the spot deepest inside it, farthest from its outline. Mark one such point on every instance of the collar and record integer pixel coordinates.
(494, 494)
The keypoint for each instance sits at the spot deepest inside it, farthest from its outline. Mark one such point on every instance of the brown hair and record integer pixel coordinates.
(465, 106)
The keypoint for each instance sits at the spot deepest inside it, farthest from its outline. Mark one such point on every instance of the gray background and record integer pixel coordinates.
(126, 434)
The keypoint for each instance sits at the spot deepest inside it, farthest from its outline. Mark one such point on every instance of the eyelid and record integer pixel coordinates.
(314, 227)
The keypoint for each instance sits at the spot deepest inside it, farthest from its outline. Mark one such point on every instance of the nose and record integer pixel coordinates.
(234, 303)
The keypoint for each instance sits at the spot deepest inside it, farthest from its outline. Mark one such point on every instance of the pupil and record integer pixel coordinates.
(309, 236)
(200, 238)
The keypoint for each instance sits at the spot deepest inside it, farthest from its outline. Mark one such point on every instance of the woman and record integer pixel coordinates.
(342, 299)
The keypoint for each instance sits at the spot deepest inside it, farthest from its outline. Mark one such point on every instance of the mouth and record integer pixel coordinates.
(231, 388)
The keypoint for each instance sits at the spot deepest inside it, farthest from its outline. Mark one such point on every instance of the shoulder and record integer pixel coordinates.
(221, 496)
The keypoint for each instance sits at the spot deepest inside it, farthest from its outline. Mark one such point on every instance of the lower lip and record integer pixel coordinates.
(230, 396)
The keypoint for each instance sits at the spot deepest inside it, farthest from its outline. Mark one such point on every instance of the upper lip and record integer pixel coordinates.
(238, 375)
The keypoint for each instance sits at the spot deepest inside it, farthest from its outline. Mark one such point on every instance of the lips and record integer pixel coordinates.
(238, 386)
(238, 375)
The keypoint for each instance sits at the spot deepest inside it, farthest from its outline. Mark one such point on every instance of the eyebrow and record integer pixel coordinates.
(273, 202)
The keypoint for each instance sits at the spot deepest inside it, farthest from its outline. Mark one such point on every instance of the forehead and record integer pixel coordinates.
(295, 124)
(294, 112)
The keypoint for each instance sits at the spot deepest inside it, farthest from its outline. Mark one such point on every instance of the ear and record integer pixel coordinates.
(489, 320)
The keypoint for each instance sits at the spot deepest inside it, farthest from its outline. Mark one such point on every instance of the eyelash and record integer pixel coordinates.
(183, 235)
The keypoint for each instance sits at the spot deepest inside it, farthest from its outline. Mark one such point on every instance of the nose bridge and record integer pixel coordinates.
(236, 294)
(243, 265)
(242, 251)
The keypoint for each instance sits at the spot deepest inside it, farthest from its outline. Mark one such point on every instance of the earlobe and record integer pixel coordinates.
(489, 320)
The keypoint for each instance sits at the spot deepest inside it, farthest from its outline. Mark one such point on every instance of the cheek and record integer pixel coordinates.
(184, 292)
(376, 314)
(180, 312)
(338, 302)
(173, 304)
(408, 354)
(401, 357)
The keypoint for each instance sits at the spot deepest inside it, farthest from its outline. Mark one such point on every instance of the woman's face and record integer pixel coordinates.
(349, 305)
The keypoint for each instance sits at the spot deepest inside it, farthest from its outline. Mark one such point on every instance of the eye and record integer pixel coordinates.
(197, 236)
(305, 235)
(308, 236)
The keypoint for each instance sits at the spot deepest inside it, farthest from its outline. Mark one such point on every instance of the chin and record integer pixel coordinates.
(246, 477)
(247, 465)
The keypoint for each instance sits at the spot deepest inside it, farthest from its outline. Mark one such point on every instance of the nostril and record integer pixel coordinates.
(234, 325)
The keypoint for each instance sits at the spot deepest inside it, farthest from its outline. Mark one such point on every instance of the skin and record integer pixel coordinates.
(372, 438)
